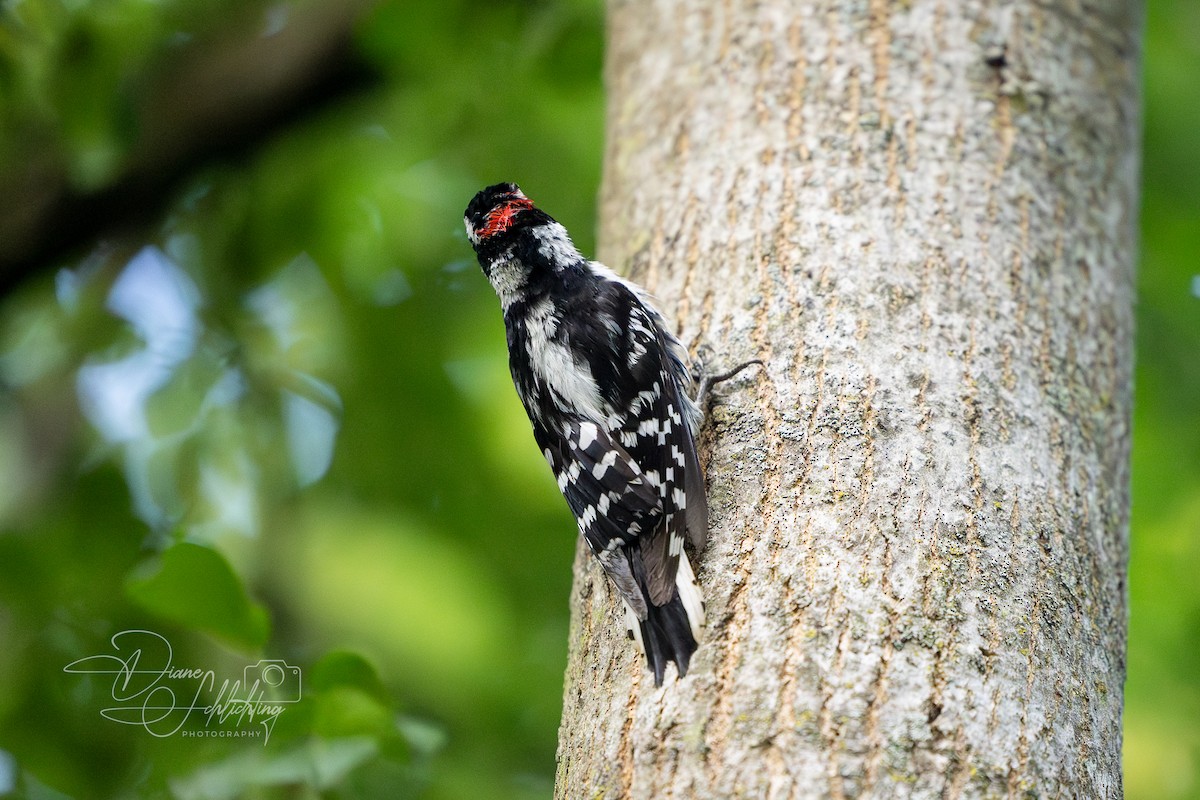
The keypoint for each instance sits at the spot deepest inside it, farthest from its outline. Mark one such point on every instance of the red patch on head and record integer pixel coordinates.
(500, 218)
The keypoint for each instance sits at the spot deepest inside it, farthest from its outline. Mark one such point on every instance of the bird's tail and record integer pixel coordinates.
(670, 632)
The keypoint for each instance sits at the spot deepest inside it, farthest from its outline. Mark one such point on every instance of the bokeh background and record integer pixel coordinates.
(254, 392)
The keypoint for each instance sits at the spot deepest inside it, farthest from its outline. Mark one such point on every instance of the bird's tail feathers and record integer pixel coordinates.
(670, 632)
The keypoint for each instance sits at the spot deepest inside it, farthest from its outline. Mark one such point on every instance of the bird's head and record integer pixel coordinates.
(521, 248)
(496, 214)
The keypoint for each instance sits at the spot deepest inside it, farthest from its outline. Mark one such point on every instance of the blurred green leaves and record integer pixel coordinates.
(1162, 693)
(426, 604)
(195, 587)
(353, 699)
(318, 764)
(271, 418)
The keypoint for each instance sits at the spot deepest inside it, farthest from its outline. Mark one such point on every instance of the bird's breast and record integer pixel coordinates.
(556, 367)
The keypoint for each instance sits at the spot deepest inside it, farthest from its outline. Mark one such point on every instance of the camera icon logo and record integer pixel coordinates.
(276, 676)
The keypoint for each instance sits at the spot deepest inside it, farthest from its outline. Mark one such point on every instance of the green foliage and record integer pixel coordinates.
(277, 428)
(313, 456)
(194, 586)
(1162, 693)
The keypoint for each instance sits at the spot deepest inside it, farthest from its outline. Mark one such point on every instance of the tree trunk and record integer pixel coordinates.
(921, 216)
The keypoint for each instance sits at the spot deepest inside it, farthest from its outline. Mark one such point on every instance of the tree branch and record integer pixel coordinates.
(222, 99)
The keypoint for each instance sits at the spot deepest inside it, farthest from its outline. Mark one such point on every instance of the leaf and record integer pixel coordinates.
(195, 586)
(317, 764)
(348, 711)
(344, 668)
(350, 697)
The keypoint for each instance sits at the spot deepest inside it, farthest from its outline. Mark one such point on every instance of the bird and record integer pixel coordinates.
(605, 384)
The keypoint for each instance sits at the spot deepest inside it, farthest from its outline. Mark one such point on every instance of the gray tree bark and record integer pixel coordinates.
(921, 215)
